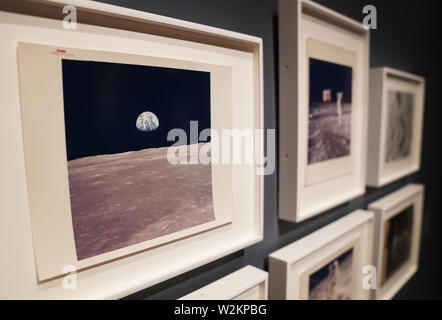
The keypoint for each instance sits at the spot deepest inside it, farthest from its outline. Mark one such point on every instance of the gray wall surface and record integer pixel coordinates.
(408, 38)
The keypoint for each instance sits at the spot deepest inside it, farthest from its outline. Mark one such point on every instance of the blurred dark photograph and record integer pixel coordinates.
(397, 243)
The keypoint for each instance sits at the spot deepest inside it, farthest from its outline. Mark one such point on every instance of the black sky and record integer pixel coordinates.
(102, 102)
(327, 75)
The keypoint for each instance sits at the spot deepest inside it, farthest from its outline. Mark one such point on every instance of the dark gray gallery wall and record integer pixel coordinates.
(408, 38)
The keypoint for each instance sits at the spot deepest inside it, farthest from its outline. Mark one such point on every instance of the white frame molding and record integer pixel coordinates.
(290, 266)
(248, 283)
(384, 209)
(379, 173)
(299, 21)
(115, 29)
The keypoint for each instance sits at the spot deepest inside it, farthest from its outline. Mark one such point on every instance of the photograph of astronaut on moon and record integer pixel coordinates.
(334, 280)
(329, 135)
(123, 190)
(399, 131)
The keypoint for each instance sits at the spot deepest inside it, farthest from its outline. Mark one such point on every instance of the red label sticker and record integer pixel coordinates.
(61, 52)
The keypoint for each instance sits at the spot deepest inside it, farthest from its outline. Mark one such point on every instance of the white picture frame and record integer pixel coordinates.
(386, 208)
(248, 283)
(308, 30)
(114, 29)
(382, 168)
(291, 268)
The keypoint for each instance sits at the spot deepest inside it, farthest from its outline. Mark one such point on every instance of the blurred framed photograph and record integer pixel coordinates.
(327, 264)
(323, 102)
(398, 220)
(248, 283)
(395, 125)
(114, 123)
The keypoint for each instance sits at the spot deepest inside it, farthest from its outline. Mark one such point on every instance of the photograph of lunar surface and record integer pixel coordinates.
(329, 135)
(123, 190)
(397, 243)
(399, 125)
(334, 280)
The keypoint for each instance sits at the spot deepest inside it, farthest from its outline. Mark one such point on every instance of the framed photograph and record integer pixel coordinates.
(248, 283)
(396, 116)
(125, 194)
(327, 264)
(398, 220)
(323, 75)
(115, 124)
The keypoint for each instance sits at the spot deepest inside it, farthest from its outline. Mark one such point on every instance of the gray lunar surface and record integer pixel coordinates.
(122, 199)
